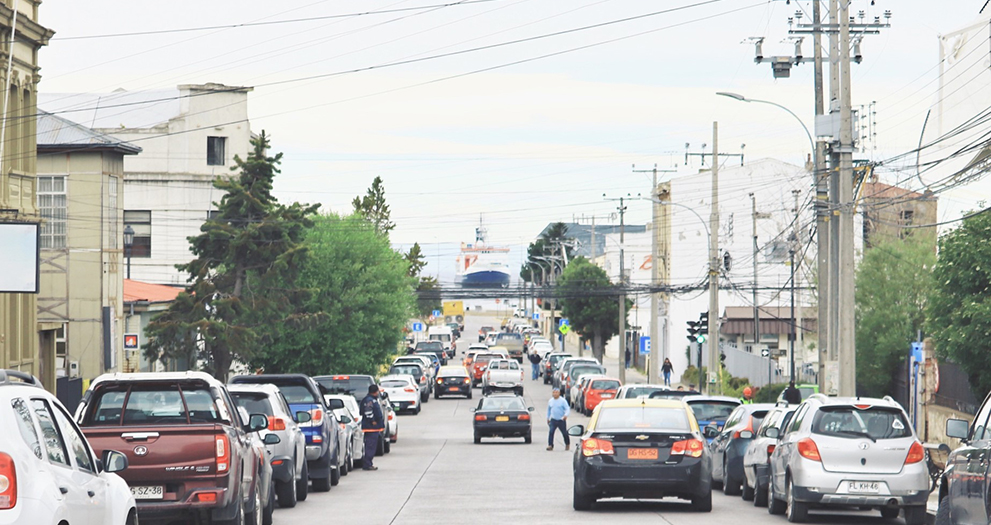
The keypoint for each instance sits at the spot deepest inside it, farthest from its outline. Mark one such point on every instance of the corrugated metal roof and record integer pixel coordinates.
(55, 132)
(120, 109)
(135, 291)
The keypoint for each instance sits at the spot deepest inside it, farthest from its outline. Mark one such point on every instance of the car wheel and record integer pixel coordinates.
(796, 511)
(132, 517)
(303, 484)
(436, 395)
(424, 398)
(889, 513)
(478, 438)
(380, 450)
(239, 516)
(774, 505)
(748, 492)
(469, 394)
(270, 507)
(702, 502)
(346, 467)
(255, 516)
(943, 512)
(387, 446)
(581, 501)
(335, 476)
(528, 438)
(915, 515)
(731, 485)
(760, 496)
(286, 491)
(417, 411)
(322, 484)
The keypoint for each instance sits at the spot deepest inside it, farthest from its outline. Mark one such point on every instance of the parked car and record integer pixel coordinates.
(512, 342)
(433, 363)
(598, 390)
(445, 336)
(323, 449)
(571, 377)
(561, 370)
(484, 331)
(502, 415)
(551, 362)
(842, 451)
(415, 371)
(729, 446)
(434, 347)
(48, 471)
(711, 411)
(490, 338)
(479, 364)
(641, 448)
(639, 390)
(189, 451)
(757, 458)
(288, 455)
(424, 360)
(354, 384)
(391, 425)
(502, 375)
(453, 381)
(403, 392)
(964, 483)
(540, 347)
(578, 390)
(345, 408)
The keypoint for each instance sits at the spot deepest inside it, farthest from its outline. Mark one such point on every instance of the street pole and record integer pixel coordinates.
(822, 207)
(592, 260)
(653, 371)
(791, 331)
(834, 195)
(847, 343)
(753, 205)
(714, 263)
(796, 315)
(622, 316)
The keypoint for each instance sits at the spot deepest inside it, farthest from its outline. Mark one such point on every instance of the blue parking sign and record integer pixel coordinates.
(536, 316)
(436, 313)
(417, 327)
(564, 322)
(645, 345)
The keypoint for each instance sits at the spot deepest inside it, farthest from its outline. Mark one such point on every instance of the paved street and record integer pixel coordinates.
(435, 472)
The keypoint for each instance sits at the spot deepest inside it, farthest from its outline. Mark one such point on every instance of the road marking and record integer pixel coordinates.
(410, 495)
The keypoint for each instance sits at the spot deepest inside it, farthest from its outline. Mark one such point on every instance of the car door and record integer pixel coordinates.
(718, 445)
(786, 449)
(85, 470)
(967, 495)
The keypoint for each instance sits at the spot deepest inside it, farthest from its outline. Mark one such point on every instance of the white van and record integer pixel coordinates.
(444, 335)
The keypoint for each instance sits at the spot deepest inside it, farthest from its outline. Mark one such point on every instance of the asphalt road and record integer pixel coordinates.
(436, 474)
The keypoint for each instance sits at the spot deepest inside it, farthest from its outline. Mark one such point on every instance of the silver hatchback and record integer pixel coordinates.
(840, 451)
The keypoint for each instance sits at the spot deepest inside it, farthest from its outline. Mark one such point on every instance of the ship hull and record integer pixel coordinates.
(486, 279)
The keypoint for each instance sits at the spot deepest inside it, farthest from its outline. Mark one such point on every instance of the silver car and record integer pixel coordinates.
(845, 451)
(346, 409)
(288, 455)
(757, 458)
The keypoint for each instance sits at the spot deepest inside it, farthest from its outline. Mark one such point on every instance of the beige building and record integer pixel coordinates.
(25, 343)
(80, 196)
(891, 213)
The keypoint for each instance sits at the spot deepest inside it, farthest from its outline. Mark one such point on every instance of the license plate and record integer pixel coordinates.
(453, 389)
(502, 418)
(641, 453)
(864, 487)
(148, 492)
(606, 396)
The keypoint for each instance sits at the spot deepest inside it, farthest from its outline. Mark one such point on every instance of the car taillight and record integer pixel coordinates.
(808, 449)
(467, 380)
(687, 447)
(390, 416)
(276, 423)
(524, 417)
(770, 450)
(480, 417)
(316, 418)
(439, 381)
(423, 379)
(223, 453)
(8, 482)
(408, 389)
(915, 453)
(597, 447)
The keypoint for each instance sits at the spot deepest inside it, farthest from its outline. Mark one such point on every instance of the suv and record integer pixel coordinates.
(963, 488)
(189, 448)
(323, 450)
(849, 451)
(60, 476)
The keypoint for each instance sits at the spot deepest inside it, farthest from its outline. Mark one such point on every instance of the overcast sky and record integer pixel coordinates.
(522, 145)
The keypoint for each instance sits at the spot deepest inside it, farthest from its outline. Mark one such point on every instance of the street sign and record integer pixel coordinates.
(536, 316)
(564, 329)
(417, 327)
(765, 353)
(645, 345)
(565, 322)
(130, 341)
(436, 314)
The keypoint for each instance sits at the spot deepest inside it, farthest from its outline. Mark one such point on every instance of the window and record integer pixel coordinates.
(75, 441)
(53, 208)
(796, 422)
(140, 222)
(60, 338)
(906, 216)
(53, 440)
(979, 432)
(26, 425)
(216, 151)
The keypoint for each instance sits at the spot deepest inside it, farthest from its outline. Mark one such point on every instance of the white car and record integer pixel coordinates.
(423, 361)
(48, 471)
(345, 407)
(404, 393)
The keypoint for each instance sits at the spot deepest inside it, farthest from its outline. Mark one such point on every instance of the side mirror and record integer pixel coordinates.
(303, 417)
(114, 461)
(472, 409)
(576, 430)
(746, 434)
(529, 409)
(710, 432)
(772, 433)
(957, 428)
(257, 422)
(272, 439)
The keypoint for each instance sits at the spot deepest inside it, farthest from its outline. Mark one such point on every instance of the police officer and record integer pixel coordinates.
(372, 424)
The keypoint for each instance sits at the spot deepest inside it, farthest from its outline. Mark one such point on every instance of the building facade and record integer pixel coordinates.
(25, 343)
(142, 302)
(80, 197)
(892, 213)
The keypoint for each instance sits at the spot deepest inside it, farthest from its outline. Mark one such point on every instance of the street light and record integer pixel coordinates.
(741, 98)
(128, 245)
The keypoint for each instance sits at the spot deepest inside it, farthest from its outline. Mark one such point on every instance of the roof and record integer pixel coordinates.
(156, 376)
(880, 190)
(56, 133)
(137, 291)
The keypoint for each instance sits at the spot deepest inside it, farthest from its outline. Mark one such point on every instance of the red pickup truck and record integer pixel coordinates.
(190, 453)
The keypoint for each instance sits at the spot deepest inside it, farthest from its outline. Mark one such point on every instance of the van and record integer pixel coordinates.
(444, 335)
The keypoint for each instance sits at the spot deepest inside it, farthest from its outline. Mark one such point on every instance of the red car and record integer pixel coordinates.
(599, 390)
(478, 366)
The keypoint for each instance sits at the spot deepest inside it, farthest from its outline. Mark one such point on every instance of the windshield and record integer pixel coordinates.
(712, 410)
(655, 418)
(502, 403)
(429, 346)
(851, 422)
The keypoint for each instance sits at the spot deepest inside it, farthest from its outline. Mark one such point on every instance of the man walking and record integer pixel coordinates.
(666, 369)
(372, 424)
(557, 418)
(535, 364)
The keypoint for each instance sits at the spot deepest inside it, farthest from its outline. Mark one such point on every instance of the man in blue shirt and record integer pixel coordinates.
(372, 425)
(557, 418)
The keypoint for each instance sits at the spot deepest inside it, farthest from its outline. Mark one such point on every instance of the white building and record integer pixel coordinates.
(189, 136)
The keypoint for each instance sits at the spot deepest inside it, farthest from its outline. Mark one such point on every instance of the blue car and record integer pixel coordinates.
(323, 459)
(711, 411)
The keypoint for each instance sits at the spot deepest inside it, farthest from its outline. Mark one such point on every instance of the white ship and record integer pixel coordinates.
(482, 266)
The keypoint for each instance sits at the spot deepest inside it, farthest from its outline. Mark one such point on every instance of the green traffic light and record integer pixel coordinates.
(701, 338)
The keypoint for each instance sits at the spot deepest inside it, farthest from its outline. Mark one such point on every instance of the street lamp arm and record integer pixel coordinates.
(742, 98)
(708, 234)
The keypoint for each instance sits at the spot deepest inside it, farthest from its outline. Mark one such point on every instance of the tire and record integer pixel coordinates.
(335, 476)
(255, 516)
(485, 391)
(286, 491)
(436, 395)
(469, 394)
(760, 497)
(774, 505)
(417, 411)
(889, 513)
(132, 517)
(346, 467)
(387, 445)
(478, 438)
(303, 485)
(238, 519)
(731, 486)
(943, 513)
(581, 501)
(795, 511)
(916, 515)
(747, 493)
(703, 502)
(321, 484)
(380, 448)
(424, 398)
(528, 438)
(546, 380)
(270, 507)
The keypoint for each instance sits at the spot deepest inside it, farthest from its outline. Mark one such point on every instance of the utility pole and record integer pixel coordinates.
(592, 260)
(796, 315)
(753, 218)
(791, 331)
(622, 314)
(821, 204)
(847, 346)
(714, 264)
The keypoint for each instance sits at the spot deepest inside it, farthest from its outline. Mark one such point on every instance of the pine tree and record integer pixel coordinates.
(374, 208)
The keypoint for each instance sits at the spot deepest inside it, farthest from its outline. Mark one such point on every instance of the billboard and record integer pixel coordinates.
(19, 266)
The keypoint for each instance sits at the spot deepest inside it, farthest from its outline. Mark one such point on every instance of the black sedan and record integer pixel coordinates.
(452, 381)
(502, 415)
(642, 449)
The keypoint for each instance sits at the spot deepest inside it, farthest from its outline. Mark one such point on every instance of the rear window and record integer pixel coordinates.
(505, 365)
(253, 403)
(712, 410)
(556, 358)
(351, 385)
(155, 405)
(412, 370)
(440, 337)
(850, 422)
(394, 383)
(429, 345)
(655, 418)
(507, 335)
(600, 384)
(502, 403)
(485, 358)
(298, 394)
(637, 391)
(578, 371)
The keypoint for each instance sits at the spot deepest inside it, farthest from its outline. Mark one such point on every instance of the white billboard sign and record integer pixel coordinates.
(19, 263)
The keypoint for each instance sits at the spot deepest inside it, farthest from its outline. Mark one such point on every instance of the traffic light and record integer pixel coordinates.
(693, 331)
(703, 327)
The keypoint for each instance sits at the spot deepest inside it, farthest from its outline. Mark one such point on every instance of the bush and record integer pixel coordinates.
(691, 377)
(770, 393)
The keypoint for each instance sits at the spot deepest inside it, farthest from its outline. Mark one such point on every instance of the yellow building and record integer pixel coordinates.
(25, 344)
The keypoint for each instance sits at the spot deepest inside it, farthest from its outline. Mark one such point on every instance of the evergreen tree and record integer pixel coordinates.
(374, 208)
(415, 259)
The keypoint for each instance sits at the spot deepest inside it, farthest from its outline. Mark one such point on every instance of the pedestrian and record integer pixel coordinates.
(628, 355)
(557, 417)
(748, 396)
(792, 395)
(666, 369)
(535, 364)
(372, 425)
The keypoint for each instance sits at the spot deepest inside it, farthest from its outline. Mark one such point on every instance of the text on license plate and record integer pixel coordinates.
(156, 492)
(641, 453)
(864, 487)
(453, 389)
(502, 418)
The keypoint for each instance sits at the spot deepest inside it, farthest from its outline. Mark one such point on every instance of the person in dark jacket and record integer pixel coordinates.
(792, 395)
(666, 369)
(535, 364)
(372, 424)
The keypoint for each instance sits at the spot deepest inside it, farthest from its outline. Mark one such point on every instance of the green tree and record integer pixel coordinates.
(415, 259)
(361, 299)
(593, 314)
(959, 311)
(242, 280)
(428, 295)
(894, 282)
(374, 208)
